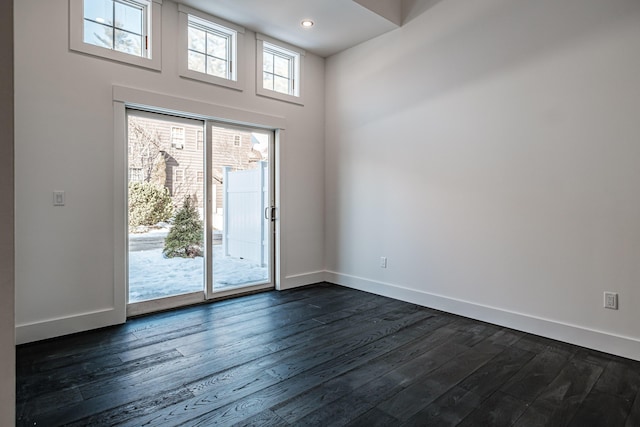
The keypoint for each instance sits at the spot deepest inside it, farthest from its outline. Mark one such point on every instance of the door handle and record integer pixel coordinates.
(270, 213)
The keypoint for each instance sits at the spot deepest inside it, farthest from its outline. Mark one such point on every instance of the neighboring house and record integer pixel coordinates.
(170, 152)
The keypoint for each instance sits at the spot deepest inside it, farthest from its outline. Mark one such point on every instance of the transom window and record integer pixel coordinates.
(279, 69)
(211, 48)
(119, 25)
(126, 31)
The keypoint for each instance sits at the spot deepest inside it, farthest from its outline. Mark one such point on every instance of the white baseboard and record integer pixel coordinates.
(304, 279)
(51, 328)
(573, 334)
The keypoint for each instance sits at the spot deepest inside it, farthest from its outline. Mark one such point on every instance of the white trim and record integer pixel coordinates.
(197, 109)
(238, 58)
(282, 44)
(120, 214)
(80, 322)
(154, 33)
(260, 90)
(190, 11)
(573, 334)
(304, 279)
(280, 188)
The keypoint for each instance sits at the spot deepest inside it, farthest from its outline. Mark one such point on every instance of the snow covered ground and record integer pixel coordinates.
(153, 276)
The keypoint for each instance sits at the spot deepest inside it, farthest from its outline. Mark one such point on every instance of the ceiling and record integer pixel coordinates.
(339, 24)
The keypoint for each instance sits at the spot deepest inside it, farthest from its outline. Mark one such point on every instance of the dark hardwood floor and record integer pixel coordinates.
(321, 355)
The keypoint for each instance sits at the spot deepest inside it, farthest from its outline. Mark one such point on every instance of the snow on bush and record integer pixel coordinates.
(148, 204)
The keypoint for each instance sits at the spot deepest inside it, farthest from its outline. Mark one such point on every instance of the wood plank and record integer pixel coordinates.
(601, 409)
(500, 409)
(488, 378)
(447, 410)
(559, 401)
(266, 418)
(45, 388)
(404, 404)
(536, 375)
(633, 419)
(374, 418)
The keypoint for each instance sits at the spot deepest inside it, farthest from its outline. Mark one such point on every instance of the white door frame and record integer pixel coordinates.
(210, 293)
(124, 97)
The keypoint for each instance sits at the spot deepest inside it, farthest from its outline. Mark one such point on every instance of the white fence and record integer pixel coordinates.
(245, 197)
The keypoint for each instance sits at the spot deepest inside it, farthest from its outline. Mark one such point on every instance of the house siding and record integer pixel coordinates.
(184, 166)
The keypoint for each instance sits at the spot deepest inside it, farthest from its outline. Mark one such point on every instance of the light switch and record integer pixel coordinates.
(58, 198)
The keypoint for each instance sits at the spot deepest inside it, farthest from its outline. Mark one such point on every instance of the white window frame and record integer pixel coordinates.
(153, 32)
(179, 177)
(298, 68)
(176, 142)
(199, 140)
(236, 80)
(139, 176)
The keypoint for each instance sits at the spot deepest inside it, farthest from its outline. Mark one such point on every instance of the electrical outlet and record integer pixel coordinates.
(58, 198)
(383, 262)
(611, 300)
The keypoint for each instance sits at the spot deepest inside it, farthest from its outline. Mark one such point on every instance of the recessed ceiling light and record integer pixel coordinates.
(307, 23)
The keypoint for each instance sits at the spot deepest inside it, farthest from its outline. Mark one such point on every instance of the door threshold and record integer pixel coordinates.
(180, 301)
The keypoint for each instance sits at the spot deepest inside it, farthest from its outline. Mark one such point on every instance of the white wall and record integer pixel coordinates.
(65, 141)
(491, 151)
(7, 330)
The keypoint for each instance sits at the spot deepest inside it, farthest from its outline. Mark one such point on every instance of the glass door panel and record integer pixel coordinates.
(241, 199)
(166, 206)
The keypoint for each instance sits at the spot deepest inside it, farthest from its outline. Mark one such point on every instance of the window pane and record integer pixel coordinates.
(267, 81)
(216, 46)
(99, 35)
(267, 62)
(197, 62)
(280, 84)
(216, 67)
(128, 43)
(197, 40)
(128, 18)
(99, 11)
(281, 66)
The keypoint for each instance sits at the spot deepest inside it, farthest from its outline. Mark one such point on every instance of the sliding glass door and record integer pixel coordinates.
(166, 206)
(200, 210)
(241, 207)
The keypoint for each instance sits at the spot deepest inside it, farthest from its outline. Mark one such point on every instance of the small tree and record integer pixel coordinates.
(186, 237)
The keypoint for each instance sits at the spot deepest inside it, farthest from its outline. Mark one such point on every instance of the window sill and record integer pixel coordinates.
(277, 95)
